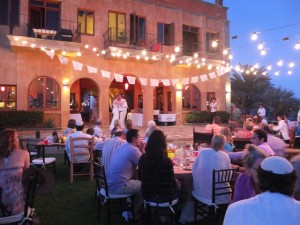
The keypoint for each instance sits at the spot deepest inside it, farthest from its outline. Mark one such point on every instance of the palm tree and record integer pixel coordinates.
(249, 88)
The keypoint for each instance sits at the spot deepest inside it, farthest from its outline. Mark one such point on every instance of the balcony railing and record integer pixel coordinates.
(62, 30)
(128, 39)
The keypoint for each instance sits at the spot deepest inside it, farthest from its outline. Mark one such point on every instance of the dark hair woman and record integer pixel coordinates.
(13, 161)
(156, 160)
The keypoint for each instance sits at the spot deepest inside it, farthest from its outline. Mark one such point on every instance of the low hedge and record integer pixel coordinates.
(205, 116)
(15, 119)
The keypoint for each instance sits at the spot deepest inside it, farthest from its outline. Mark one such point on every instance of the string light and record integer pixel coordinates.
(297, 46)
(260, 46)
(263, 52)
(78, 53)
(254, 36)
(269, 67)
(94, 49)
(138, 57)
(103, 52)
(290, 72)
(63, 53)
(277, 73)
(198, 66)
(214, 44)
(291, 64)
(177, 49)
(196, 55)
(230, 57)
(280, 63)
(225, 52)
(144, 52)
(264, 73)
(86, 46)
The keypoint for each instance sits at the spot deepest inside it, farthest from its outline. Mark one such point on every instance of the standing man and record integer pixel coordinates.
(261, 111)
(122, 110)
(213, 105)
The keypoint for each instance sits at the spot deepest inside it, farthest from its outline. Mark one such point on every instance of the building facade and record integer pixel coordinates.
(166, 55)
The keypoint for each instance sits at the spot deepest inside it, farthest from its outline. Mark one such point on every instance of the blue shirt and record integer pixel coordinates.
(122, 166)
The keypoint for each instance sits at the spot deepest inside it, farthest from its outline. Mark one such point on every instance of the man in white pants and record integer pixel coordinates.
(122, 110)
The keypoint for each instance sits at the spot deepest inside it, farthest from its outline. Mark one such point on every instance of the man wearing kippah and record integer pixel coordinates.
(274, 205)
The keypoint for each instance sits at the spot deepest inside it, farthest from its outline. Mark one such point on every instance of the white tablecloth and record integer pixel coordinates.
(137, 118)
(76, 116)
(166, 117)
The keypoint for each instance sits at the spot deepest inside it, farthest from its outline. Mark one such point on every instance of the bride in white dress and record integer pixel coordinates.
(115, 111)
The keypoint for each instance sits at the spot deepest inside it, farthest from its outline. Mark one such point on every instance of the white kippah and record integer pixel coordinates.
(79, 123)
(277, 165)
(151, 123)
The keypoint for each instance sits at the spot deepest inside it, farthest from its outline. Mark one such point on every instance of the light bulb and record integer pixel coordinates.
(177, 49)
(269, 67)
(78, 53)
(290, 72)
(260, 46)
(254, 36)
(103, 52)
(94, 49)
(280, 63)
(196, 55)
(263, 52)
(297, 46)
(264, 73)
(86, 46)
(230, 57)
(138, 57)
(214, 44)
(225, 52)
(144, 52)
(291, 64)
(276, 73)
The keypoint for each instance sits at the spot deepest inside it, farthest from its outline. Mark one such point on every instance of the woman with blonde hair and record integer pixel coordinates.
(247, 185)
(229, 147)
(13, 162)
(246, 131)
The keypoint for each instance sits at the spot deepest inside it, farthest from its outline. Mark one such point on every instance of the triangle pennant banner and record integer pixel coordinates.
(212, 75)
(194, 79)
(105, 74)
(119, 77)
(166, 82)
(185, 81)
(131, 80)
(154, 82)
(204, 77)
(77, 66)
(143, 81)
(49, 53)
(63, 60)
(92, 69)
(175, 81)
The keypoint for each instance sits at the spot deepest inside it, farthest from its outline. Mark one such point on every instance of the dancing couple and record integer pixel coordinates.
(119, 111)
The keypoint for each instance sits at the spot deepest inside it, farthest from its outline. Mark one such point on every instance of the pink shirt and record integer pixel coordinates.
(264, 146)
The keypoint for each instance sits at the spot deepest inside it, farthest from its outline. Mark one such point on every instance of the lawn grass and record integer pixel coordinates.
(68, 203)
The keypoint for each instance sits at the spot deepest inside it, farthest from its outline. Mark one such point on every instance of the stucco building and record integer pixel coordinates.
(165, 55)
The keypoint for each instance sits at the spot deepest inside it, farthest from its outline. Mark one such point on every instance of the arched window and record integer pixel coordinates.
(191, 97)
(44, 94)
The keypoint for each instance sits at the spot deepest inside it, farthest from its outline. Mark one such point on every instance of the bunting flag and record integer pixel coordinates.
(105, 74)
(212, 75)
(131, 80)
(175, 81)
(63, 60)
(166, 82)
(204, 77)
(143, 81)
(185, 81)
(154, 82)
(77, 66)
(119, 77)
(220, 72)
(92, 69)
(194, 79)
(49, 53)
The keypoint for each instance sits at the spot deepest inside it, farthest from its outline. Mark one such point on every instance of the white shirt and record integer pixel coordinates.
(283, 128)
(78, 158)
(213, 106)
(261, 111)
(123, 105)
(264, 209)
(266, 148)
(97, 131)
(207, 161)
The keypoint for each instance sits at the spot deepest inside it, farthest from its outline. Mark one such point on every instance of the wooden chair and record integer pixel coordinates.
(81, 147)
(26, 217)
(38, 158)
(201, 138)
(157, 189)
(107, 199)
(222, 184)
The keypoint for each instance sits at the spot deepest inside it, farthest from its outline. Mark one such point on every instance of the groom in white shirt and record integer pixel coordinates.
(122, 110)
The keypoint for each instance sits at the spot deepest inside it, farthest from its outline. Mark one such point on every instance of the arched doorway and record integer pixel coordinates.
(191, 98)
(84, 95)
(131, 92)
(163, 98)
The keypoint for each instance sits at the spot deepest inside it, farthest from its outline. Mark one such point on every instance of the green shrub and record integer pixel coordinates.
(49, 123)
(15, 119)
(205, 116)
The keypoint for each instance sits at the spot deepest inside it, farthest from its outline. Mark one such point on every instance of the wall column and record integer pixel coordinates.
(65, 105)
(103, 103)
(178, 109)
(147, 104)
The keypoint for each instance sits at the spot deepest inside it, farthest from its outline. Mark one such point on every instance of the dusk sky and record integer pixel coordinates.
(248, 16)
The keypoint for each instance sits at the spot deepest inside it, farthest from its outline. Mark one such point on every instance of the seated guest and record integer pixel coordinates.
(128, 125)
(277, 145)
(78, 133)
(91, 132)
(282, 127)
(97, 129)
(296, 164)
(229, 147)
(71, 127)
(151, 127)
(13, 162)
(122, 167)
(117, 126)
(155, 160)
(246, 131)
(214, 128)
(274, 206)
(246, 185)
(110, 146)
(210, 159)
(259, 138)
